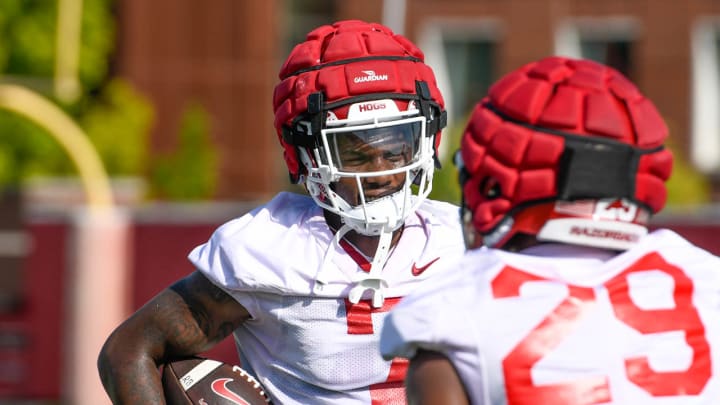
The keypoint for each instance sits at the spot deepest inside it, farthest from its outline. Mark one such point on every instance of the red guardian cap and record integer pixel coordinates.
(342, 64)
(566, 150)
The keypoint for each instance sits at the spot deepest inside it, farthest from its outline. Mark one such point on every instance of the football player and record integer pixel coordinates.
(564, 297)
(304, 281)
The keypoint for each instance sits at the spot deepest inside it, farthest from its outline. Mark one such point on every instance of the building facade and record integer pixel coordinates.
(225, 54)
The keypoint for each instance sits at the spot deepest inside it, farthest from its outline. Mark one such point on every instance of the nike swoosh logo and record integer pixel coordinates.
(219, 386)
(416, 271)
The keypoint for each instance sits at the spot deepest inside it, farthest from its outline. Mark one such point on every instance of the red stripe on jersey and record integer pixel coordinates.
(359, 316)
(392, 391)
(355, 255)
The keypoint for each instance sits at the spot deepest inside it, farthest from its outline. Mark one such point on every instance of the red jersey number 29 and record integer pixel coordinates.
(558, 324)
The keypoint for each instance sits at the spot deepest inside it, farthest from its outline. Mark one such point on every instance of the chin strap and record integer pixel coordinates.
(372, 280)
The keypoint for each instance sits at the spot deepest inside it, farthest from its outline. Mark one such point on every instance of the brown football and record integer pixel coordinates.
(201, 381)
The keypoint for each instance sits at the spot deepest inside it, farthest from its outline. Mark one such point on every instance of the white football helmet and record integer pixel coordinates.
(371, 127)
(359, 116)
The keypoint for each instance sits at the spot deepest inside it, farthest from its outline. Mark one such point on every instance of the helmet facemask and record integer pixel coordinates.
(372, 169)
(355, 86)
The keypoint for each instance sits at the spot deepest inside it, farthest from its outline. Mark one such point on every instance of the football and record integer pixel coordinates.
(202, 381)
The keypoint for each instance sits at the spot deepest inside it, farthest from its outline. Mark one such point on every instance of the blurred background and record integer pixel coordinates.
(130, 129)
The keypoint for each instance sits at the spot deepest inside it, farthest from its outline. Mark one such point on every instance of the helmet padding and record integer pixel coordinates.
(561, 129)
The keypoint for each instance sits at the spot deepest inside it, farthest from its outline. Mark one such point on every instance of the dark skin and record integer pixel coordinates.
(432, 380)
(359, 156)
(187, 318)
(193, 315)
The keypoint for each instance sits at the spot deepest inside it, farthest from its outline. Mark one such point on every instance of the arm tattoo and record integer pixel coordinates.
(181, 329)
(194, 304)
(217, 294)
(201, 296)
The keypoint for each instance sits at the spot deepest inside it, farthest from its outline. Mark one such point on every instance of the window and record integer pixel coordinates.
(470, 66)
(605, 40)
(705, 99)
(462, 54)
(304, 16)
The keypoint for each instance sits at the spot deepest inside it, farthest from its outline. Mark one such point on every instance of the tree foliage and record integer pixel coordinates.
(27, 57)
(118, 124)
(445, 180)
(686, 186)
(190, 171)
(116, 118)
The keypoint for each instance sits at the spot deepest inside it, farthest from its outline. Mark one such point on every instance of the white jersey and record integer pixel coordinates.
(314, 347)
(567, 325)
